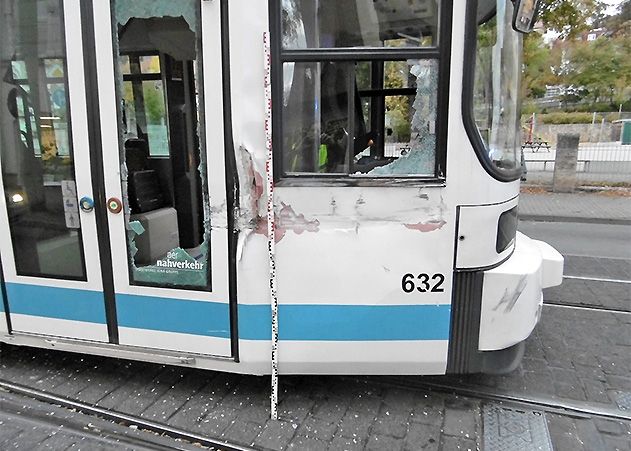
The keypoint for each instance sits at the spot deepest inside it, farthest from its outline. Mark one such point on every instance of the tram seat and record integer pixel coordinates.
(160, 236)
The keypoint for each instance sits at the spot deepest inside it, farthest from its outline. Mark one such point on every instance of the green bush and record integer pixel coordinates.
(568, 118)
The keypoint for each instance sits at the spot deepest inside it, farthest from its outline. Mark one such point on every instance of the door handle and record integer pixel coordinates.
(86, 204)
(114, 205)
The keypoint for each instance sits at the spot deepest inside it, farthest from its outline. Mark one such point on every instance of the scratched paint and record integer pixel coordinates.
(510, 297)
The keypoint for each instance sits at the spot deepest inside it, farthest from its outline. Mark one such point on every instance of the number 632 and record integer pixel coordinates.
(423, 283)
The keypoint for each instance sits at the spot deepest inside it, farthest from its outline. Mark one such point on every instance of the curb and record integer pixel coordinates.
(575, 219)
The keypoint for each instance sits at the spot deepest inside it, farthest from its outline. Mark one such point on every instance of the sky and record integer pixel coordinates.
(612, 5)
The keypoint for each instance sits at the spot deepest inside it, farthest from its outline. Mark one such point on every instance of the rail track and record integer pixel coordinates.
(210, 443)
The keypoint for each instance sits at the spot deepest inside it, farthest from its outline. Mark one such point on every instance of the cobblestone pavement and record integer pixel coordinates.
(579, 206)
(27, 424)
(564, 361)
(594, 293)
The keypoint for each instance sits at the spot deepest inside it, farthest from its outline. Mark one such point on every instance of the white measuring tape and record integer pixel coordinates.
(271, 222)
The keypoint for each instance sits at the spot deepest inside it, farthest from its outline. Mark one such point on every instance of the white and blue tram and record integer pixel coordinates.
(137, 139)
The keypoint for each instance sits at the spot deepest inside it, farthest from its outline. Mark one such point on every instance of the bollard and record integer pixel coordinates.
(565, 163)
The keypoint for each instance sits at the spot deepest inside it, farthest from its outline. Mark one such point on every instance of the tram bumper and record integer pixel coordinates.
(512, 297)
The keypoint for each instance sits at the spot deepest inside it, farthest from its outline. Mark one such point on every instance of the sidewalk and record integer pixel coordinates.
(603, 207)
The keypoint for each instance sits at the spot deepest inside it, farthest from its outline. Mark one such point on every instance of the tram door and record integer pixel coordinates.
(159, 160)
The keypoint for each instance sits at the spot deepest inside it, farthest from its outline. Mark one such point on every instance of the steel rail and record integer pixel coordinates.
(589, 308)
(598, 279)
(118, 417)
(565, 407)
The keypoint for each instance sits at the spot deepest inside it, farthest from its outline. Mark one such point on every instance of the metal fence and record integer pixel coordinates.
(598, 163)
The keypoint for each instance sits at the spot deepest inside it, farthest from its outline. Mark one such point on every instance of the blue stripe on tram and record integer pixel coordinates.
(58, 303)
(309, 322)
(209, 319)
(347, 322)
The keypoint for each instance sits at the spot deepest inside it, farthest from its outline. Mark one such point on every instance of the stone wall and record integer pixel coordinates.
(588, 133)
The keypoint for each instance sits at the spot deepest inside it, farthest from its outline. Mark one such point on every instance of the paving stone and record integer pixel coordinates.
(422, 437)
(609, 426)
(340, 443)
(428, 410)
(276, 435)
(383, 442)
(215, 422)
(256, 413)
(243, 432)
(460, 419)
(308, 444)
(316, 428)
(458, 443)
(617, 444)
(356, 424)
(295, 408)
(564, 434)
(596, 391)
(391, 424)
(331, 410)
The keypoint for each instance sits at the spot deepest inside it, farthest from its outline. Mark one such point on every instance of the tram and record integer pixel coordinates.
(200, 182)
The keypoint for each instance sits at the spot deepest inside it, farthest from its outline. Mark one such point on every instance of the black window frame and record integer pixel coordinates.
(468, 87)
(440, 53)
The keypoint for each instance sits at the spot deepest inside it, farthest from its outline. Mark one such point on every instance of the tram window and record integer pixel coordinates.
(35, 146)
(144, 108)
(365, 116)
(359, 23)
(158, 46)
(496, 97)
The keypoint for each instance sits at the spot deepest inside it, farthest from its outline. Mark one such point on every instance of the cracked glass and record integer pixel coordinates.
(158, 56)
(372, 118)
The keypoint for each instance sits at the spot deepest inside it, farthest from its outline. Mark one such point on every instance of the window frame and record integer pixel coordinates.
(440, 53)
(468, 87)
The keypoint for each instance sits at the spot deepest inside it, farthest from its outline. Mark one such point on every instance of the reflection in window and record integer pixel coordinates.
(496, 97)
(158, 57)
(359, 23)
(35, 144)
(371, 118)
(144, 108)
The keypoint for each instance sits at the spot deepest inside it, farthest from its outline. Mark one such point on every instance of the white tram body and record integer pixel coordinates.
(375, 272)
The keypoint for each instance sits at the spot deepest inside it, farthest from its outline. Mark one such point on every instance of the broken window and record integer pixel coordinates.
(158, 56)
(373, 114)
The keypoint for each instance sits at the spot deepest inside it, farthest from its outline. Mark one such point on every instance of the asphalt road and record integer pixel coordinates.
(579, 239)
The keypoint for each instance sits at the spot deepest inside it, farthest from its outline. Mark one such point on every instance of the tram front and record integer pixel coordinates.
(500, 273)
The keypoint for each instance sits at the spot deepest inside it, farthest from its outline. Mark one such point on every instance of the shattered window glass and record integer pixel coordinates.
(158, 47)
(374, 114)
(368, 118)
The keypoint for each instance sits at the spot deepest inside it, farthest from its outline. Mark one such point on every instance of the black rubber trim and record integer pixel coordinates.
(96, 163)
(466, 308)
(232, 180)
(470, 51)
(5, 299)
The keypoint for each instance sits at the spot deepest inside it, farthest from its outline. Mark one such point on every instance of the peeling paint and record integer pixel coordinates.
(422, 195)
(288, 220)
(426, 227)
(510, 297)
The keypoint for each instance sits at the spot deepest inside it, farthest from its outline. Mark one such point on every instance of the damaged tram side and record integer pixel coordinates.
(136, 138)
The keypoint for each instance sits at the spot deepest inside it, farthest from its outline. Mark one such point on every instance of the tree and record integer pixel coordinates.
(537, 67)
(571, 17)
